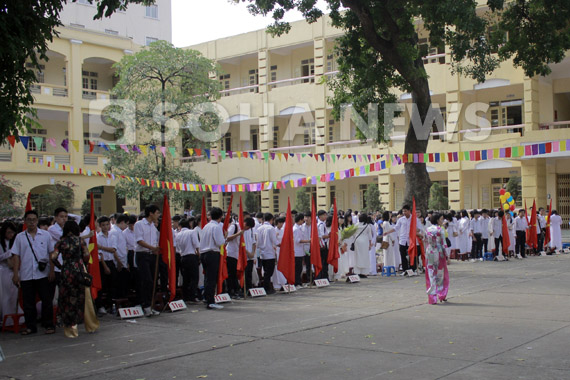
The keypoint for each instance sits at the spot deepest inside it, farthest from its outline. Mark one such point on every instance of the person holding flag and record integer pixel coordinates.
(166, 244)
(300, 242)
(286, 264)
(211, 240)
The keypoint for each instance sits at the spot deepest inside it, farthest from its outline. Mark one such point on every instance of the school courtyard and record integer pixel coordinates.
(505, 320)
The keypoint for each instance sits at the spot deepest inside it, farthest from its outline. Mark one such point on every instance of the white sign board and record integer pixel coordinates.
(257, 292)
(411, 273)
(177, 305)
(221, 298)
(322, 282)
(289, 288)
(354, 278)
(131, 312)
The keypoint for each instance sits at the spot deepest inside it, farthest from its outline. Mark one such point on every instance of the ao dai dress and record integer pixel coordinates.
(437, 276)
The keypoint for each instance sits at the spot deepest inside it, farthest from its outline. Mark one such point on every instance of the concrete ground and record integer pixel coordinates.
(508, 320)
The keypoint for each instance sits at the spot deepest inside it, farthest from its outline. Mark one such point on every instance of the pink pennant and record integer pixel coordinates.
(163, 150)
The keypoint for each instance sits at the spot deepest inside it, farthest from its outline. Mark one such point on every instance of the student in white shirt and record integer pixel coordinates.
(299, 242)
(108, 259)
(266, 243)
(403, 231)
(121, 262)
(211, 239)
(146, 237)
(189, 248)
(521, 225)
(250, 246)
(477, 231)
(540, 229)
(55, 230)
(233, 240)
(307, 246)
(485, 224)
(33, 272)
(324, 243)
(175, 229)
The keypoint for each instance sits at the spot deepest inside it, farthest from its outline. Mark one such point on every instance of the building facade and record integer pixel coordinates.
(276, 101)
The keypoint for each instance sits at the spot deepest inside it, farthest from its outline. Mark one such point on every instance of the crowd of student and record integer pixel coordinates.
(47, 255)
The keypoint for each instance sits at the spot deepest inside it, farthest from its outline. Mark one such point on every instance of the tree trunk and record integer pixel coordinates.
(418, 182)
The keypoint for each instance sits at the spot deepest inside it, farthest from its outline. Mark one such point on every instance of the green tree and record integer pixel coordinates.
(251, 202)
(372, 196)
(58, 195)
(514, 187)
(379, 52)
(164, 84)
(12, 201)
(437, 201)
(303, 200)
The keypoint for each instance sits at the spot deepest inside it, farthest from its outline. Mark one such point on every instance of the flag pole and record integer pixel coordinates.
(154, 283)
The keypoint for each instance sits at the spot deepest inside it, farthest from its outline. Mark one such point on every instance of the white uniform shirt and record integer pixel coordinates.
(249, 240)
(108, 241)
(485, 222)
(322, 229)
(130, 238)
(297, 237)
(266, 241)
(306, 236)
(403, 230)
(497, 227)
(55, 232)
(476, 225)
(211, 237)
(187, 241)
(233, 245)
(42, 245)
(121, 244)
(146, 231)
(521, 223)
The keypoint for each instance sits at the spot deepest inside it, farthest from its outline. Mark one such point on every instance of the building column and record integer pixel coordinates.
(267, 201)
(531, 104)
(322, 196)
(455, 185)
(533, 181)
(75, 119)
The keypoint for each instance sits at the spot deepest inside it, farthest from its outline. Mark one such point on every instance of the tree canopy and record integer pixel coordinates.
(380, 51)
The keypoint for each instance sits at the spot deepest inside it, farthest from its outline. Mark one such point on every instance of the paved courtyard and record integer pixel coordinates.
(507, 320)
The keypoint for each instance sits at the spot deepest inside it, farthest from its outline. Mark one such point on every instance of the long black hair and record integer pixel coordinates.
(5, 227)
(70, 227)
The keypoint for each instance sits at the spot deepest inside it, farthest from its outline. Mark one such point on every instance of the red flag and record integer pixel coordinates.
(94, 255)
(286, 264)
(531, 235)
(413, 248)
(315, 243)
(547, 234)
(506, 237)
(166, 244)
(203, 217)
(223, 269)
(333, 241)
(28, 208)
(242, 257)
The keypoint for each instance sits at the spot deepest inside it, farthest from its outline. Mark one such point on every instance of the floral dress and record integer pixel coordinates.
(71, 294)
(437, 276)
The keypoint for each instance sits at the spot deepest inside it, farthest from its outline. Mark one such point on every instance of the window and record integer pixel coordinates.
(272, 75)
(331, 130)
(275, 136)
(227, 142)
(254, 139)
(276, 200)
(361, 190)
(308, 69)
(309, 135)
(111, 31)
(331, 63)
(332, 194)
(225, 82)
(253, 80)
(152, 11)
(506, 113)
(34, 134)
(89, 82)
(40, 77)
(150, 40)
(426, 50)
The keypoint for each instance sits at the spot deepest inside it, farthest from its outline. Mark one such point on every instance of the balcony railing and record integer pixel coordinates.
(6, 156)
(50, 157)
(49, 89)
(90, 159)
(96, 94)
(554, 125)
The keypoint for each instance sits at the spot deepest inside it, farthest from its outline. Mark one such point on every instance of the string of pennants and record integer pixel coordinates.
(388, 161)
(220, 155)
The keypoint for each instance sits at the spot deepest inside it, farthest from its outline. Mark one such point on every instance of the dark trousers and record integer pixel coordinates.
(110, 281)
(189, 266)
(404, 257)
(53, 284)
(178, 266)
(248, 274)
(540, 241)
(521, 238)
(211, 264)
(146, 263)
(308, 267)
(485, 245)
(232, 282)
(477, 246)
(40, 287)
(268, 269)
(163, 275)
(122, 283)
(324, 261)
(498, 243)
(298, 270)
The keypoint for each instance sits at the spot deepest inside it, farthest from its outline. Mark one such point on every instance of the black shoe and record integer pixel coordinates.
(271, 291)
(362, 276)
